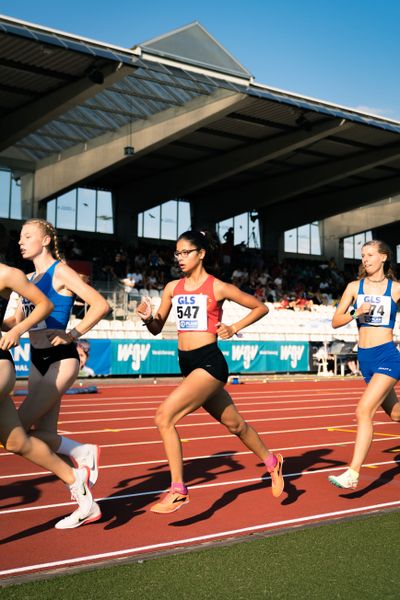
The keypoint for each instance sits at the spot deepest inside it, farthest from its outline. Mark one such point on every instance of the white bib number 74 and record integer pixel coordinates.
(379, 313)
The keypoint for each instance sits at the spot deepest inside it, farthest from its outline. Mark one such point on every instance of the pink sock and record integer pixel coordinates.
(179, 488)
(270, 462)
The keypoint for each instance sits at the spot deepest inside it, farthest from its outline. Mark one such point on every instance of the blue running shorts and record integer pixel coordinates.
(383, 359)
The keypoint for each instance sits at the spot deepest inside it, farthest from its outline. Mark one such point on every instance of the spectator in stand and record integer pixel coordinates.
(135, 279)
(154, 259)
(118, 268)
(284, 303)
(151, 281)
(238, 276)
(140, 262)
(161, 281)
(263, 278)
(175, 271)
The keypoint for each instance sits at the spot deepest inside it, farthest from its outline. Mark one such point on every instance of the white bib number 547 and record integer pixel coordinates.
(190, 312)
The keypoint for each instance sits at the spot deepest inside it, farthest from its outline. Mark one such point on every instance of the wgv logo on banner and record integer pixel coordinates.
(21, 355)
(135, 352)
(293, 353)
(245, 352)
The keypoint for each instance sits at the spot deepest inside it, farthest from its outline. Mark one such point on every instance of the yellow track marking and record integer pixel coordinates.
(391, 435)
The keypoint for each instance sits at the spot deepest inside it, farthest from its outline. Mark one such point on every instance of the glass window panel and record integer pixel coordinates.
(184, 218)
(359, 241)
(290, 240)
(5, 180)
(104, 217)
(223, 227)
(16, 203)
(398, 253)
(368, 236)
(86, 220)
(151, 222)
(303, 239)
(51, 212)
(169, 223)
(140, 225)
(66, 210)
(254, 234)
(315, 239)
(241, 228)
(348, 247)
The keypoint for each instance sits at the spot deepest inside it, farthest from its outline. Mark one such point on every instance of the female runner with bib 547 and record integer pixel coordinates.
(372, 298)
(197, 300)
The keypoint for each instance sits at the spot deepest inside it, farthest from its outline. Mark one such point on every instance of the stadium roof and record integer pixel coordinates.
(179, 116)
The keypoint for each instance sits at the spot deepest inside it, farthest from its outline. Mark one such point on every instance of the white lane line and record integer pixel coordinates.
(201, 538)
(203, 424)
(194, 414)
(267, 394)
(208, 437)
(298, 392)
(163, 461)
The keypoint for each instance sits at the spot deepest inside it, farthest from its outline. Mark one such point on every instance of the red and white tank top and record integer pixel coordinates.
(197, 310)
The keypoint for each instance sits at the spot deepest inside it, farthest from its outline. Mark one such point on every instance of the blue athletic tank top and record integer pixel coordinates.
(383, 308)
(59, 318)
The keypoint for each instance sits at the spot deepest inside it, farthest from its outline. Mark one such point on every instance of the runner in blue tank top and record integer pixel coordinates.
(12, 434)
(54, 358)
(371, 301)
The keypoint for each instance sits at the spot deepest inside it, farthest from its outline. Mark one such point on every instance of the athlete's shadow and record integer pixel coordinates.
(27, 491)
(294, 466)
(134, 494)
(383, 478)
(313, 460)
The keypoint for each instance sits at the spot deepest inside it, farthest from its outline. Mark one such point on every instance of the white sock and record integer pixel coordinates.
(68, 447)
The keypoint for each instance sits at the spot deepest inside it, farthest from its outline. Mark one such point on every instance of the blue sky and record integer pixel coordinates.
(342, 51)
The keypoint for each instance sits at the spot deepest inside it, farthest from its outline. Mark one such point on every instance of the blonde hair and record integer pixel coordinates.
(388, 267)
(48, 229)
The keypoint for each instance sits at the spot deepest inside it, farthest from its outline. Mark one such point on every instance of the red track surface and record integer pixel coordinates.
(311, 423)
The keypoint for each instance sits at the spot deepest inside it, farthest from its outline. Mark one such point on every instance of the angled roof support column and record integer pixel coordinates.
(28, 119)
(199, 174)
(144, 135)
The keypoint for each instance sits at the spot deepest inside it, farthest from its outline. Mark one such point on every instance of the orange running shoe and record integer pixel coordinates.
(171, 502)
(277, 477)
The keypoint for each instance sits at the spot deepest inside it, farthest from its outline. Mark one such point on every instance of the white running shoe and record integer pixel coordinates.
(76, 519)
(88, 455)
(347, 480)
(80, 491)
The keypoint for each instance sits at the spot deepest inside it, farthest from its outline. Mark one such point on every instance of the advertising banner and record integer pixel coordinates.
(101, 357)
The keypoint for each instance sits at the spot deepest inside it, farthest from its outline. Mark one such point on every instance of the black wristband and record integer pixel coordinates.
(148, 321)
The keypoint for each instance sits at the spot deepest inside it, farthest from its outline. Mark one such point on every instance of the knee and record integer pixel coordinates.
(395, 414)
(238, 427)
(18, 444)
(162, 419)
(363, 413)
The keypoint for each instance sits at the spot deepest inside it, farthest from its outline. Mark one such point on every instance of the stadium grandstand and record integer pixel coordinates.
(123, 149)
